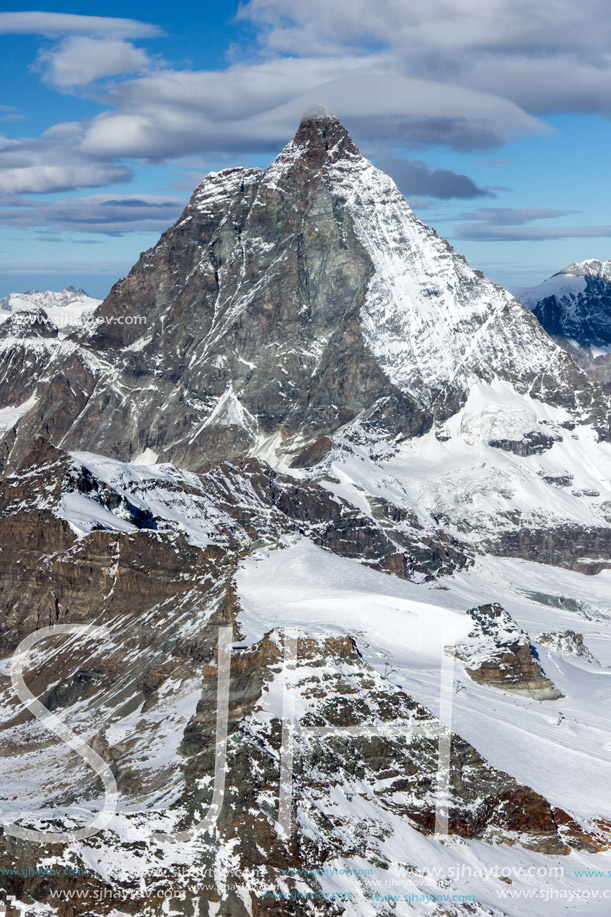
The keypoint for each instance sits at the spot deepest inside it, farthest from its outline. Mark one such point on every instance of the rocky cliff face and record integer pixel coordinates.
(287, 304)
(501, 655)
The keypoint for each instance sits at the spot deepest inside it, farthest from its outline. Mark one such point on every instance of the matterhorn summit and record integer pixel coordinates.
(287, 304)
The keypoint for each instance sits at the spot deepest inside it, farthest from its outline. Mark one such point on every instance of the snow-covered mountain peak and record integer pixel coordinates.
(434, 325)
(320, 140)
(574, 305)
(312, 294)
(589, 268)
(320, 128)
(65, 308)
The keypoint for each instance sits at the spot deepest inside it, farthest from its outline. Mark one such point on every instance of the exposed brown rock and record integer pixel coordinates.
(313, 453)
(500, 655)
(575, 547)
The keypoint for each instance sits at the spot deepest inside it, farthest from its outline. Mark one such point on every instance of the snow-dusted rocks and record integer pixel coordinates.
(574, 306)
(568, 643)
(289, 304)
(498, 653)
(327, 433)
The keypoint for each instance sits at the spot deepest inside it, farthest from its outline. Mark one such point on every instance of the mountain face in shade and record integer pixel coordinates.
(284, 305)
(574, 307)
(575, 303)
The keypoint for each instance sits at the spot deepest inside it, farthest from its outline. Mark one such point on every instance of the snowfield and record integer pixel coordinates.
(67, 308)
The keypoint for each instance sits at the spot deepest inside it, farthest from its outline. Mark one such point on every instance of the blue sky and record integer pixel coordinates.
(491, 115)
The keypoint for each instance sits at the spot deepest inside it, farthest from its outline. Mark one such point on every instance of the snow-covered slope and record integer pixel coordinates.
(401, 629)
(66, 308)
(434, 324)
(174, 500)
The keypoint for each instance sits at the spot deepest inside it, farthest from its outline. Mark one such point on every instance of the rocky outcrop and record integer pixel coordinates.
(354, 789)
(499, 654)
(567, 643)
(573, 546)
(533, 443)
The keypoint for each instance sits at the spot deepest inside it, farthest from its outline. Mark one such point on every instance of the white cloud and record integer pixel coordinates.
(40, 23)
(552, 55)
(496, 224)
(487, 25)
(465, 74)
(80, 60)
(45, 165)
(488, 233)
(259, 106)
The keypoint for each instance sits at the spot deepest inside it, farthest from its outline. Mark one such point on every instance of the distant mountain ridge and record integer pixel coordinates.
(65, 308)
(575, 303)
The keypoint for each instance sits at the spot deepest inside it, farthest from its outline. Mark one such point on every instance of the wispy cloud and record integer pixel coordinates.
(80, 60)
(415, 177)
(257, 107)
(528, 233)
(517, 216)
(493, 163)
(110, 214)
(493, 224)
(54, 163)
(41, 23)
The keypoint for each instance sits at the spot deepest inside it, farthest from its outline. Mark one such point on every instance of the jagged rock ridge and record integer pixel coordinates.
(575, 303)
